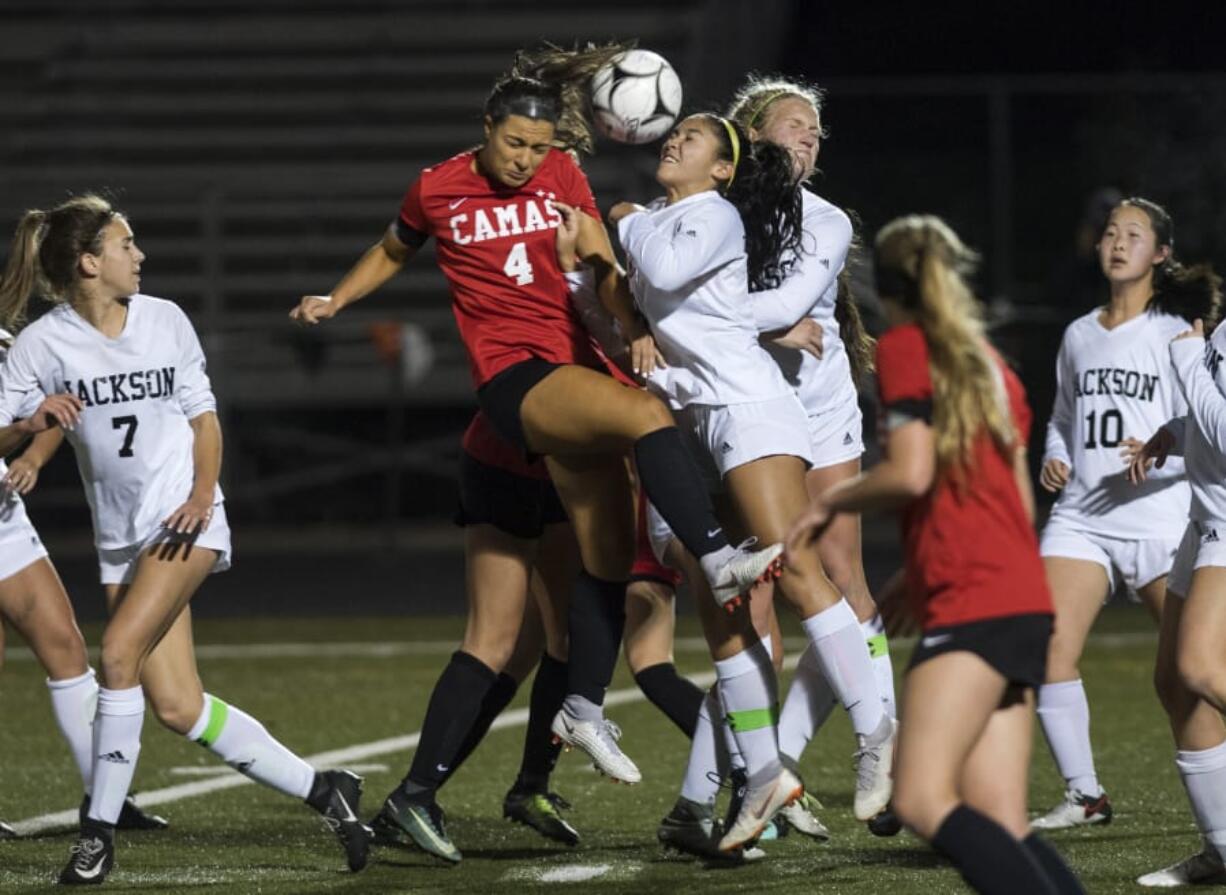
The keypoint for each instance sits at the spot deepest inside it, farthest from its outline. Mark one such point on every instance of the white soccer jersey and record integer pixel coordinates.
(133, 441)
(688, 274)
(1111, 385)
(1202, 381)
(810, 291)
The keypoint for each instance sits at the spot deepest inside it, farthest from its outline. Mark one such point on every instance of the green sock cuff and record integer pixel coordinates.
(218, 712)
(878, 646)
(753, 719)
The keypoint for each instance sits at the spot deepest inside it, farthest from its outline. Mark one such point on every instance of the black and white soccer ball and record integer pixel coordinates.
(636, 98)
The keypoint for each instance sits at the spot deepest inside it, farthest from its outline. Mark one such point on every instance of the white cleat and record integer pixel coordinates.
(1076, 810)
(759, 806)
(800, 814)
(599, 740)
(1202, 867)
(874, 775)
(746, 568)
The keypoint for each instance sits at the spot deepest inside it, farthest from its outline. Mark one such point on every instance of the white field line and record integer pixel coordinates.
(574, 873)
(391, 649)
(212, 770)
(331, 759)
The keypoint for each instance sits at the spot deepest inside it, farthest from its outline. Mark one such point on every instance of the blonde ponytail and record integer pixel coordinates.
(22, 274)
(922, 264)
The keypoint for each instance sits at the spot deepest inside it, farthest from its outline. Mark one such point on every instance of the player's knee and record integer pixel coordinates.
(62, 653)
(1202, 674)
(650, 414)
(120, 662)
(178, 712)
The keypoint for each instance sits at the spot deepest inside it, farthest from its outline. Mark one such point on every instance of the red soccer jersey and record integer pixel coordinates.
(971, 554)
(483, 443)
(496, 248)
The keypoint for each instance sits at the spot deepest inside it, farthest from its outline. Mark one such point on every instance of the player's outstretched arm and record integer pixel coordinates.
(379, 264)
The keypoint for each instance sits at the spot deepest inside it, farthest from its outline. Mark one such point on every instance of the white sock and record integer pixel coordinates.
(708, 763)
(1204, 776)
(843, 654)
(74, 701)
(116, 747)
(242, 742)
(883, 666)
(1065, 716)
(747, 690)
(809, 702)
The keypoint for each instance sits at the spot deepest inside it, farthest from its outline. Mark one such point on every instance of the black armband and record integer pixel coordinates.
(409, 236)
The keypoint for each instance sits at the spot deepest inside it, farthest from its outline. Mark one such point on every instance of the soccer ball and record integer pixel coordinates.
(636, 98)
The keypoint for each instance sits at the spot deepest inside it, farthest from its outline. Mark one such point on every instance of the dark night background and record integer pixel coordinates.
(260, 147)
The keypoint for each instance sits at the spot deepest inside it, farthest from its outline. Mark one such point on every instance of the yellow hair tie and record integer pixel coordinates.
(736, 146)
(765, 103)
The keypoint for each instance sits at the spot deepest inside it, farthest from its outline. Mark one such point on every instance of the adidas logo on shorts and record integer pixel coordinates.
(725, 448)
(1210, 536)
(847, 439)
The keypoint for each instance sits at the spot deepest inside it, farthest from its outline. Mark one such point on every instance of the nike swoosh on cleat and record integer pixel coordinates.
(92, 872)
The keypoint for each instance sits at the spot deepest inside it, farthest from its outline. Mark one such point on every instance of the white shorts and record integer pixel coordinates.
(1203, 544)
(1138, 561)
(837, 435)
(725, 436)
(20, 544)
(659, 534)
(119, 566)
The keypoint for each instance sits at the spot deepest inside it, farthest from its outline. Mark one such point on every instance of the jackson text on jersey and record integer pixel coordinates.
(122, 388)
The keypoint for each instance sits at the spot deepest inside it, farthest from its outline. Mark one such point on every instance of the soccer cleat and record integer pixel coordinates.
(1077, 809)
(874, 780)
(599, 740)
(1202, 867)
(691, 829)
(7, 832)
(340, 814)
(885, 823)
(91, 857)
(131, 816)
(405, 824)
(801, 815)
(542, 812)
(759, 806)
(746, 568)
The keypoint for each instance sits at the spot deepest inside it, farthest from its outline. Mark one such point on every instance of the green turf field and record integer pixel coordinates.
(249, 839)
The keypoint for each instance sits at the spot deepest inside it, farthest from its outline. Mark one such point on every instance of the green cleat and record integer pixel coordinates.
(542, 812)
(407, 825)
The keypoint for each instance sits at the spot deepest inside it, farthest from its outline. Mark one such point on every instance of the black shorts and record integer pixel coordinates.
(501, 397)
(1015, 645)
(515, 504)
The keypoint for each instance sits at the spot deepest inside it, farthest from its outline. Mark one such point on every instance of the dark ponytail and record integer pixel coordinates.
(552, 84)
(1190, 292)
(860, 345)
(764, 190)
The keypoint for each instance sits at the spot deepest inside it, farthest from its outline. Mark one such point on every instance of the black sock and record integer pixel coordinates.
(672, 694)
(992, 861)
(596, 620)
(496, 699)
(674, 485)
(454, 705)
(1053, 865)
(540, 751)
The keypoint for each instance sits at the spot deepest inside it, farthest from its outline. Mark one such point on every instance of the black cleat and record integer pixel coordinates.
(338, 805)
(131, 816)
(7, 832)
(92, 857)
(407, 824)
(542, 812)
(885, 823)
